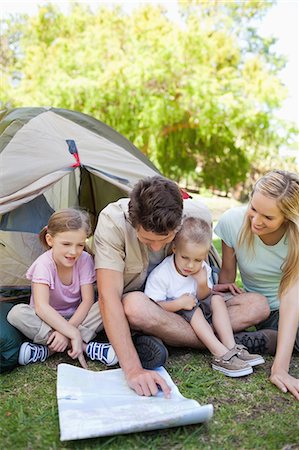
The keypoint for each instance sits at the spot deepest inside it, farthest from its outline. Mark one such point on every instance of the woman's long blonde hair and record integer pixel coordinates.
(282, 186)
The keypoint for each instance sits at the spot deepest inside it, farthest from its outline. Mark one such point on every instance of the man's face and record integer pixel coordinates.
(154, 241)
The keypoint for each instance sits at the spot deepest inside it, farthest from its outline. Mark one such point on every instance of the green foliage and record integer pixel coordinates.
(198, 98)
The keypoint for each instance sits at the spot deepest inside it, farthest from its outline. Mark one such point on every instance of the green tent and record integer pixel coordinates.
(54, 158)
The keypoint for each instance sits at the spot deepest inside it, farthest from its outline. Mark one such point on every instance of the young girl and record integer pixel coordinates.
(263, 240)
(181, 280)
(62, 314)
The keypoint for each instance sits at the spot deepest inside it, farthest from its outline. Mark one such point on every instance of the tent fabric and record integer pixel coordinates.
(52, 158)
(18, 250)
(38, 154)
(20, 219)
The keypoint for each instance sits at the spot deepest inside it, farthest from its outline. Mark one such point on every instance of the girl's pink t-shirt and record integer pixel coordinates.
(64, 299)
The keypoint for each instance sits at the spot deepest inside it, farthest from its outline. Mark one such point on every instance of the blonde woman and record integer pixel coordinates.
(263, 240)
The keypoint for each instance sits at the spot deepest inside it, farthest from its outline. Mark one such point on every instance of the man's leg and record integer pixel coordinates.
(147, 317)
(246, 310)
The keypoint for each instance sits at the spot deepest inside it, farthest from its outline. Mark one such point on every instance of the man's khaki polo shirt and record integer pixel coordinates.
(118, 248)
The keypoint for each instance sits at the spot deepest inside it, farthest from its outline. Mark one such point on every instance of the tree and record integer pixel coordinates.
(198, 97)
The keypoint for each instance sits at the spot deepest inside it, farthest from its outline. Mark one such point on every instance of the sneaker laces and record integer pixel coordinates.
(97, 351)
(38, 353)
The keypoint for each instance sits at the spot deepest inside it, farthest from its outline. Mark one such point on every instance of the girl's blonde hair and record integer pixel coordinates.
(282, 186)
(68, 219)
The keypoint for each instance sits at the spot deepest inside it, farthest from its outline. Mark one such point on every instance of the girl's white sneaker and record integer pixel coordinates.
(32, 353)
(101, 352)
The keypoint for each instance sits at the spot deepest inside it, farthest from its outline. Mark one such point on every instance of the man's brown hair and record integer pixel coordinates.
(156, 204)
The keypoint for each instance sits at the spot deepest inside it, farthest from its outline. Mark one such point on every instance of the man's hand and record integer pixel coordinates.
(227, 287)
(285, 382)
(147, 383)
(57, 342)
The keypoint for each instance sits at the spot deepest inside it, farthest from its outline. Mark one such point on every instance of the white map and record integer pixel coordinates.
(93, 404)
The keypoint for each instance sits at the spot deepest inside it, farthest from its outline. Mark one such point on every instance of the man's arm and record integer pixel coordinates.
(110, 287)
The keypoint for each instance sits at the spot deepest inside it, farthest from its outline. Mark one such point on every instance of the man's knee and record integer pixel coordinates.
(140, 311)
(133, 305)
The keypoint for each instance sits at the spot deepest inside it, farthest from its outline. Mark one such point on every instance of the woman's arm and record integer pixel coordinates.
(228, 272)
(287, 329)
(87, 296)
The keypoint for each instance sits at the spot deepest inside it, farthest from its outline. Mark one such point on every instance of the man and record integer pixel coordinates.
(131, 238)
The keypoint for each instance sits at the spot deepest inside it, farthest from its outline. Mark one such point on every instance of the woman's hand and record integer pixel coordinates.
(227, 287)
(57, 342)
(285, 382)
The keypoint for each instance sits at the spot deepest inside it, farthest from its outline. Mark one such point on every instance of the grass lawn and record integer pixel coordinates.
(249, 412)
